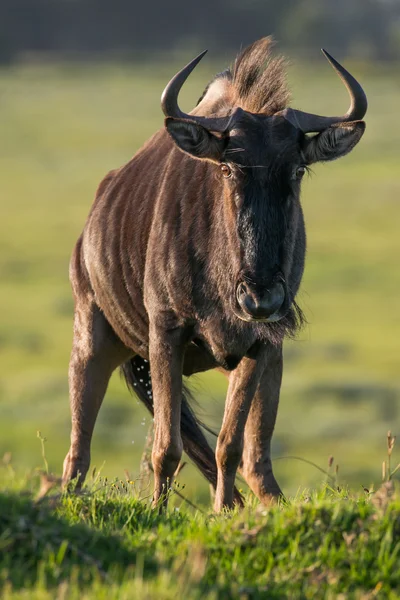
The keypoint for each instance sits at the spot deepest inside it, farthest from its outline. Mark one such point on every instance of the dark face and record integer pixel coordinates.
(261, 160)
(262, 167)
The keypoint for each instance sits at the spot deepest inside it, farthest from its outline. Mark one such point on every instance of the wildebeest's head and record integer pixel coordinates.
(261, 151)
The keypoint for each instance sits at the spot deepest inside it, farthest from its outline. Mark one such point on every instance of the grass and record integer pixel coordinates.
(63, 127)
(108, 543)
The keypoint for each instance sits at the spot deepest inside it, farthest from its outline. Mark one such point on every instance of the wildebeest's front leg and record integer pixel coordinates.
(166, 350)
(96, 352)
(256, 466)
(243, 384)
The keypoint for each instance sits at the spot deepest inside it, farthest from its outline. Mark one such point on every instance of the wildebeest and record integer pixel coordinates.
(191, 259)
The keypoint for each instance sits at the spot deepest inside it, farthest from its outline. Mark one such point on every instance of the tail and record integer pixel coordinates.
(137, 375)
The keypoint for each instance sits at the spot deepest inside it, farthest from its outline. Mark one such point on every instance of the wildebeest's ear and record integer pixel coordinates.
(334, 142)
(195, 139)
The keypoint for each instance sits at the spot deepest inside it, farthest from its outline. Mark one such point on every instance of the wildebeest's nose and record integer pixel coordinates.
(264, 306)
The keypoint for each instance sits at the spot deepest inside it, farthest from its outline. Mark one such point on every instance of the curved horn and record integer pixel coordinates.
(309, 123)
(169, 100)
(169, 97)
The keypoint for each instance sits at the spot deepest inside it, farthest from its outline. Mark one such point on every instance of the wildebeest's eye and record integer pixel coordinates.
(225, 170)
(300, 171)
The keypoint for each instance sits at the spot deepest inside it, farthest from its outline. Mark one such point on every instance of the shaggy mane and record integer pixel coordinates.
(256, 83)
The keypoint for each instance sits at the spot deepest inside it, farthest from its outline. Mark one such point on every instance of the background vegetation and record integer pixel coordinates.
(140, 30)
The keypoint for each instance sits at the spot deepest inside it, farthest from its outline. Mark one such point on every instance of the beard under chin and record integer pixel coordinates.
(288, 326)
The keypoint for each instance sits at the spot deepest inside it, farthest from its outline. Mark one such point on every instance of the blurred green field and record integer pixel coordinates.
(62, 128)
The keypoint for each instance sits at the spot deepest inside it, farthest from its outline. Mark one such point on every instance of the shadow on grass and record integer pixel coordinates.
(36, 543)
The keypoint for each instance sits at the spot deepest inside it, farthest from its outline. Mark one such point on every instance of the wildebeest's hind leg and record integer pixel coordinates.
(256, 461)
(96, 352)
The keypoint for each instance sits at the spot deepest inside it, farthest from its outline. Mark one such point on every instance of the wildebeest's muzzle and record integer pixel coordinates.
(262, 302)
